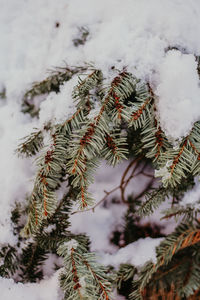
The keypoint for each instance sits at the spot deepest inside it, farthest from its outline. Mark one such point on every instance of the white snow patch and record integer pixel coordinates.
(72, 244)
(179, 94)
(16, 173)
(59, 107)
(50, 264)
(164, 173)
(136, 253)
(46, 289)
(98, 225)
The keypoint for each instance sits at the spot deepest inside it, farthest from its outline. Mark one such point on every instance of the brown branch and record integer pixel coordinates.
(35, 209)
(142, 193)
(123, 184)
(145, 174)
(97, 204)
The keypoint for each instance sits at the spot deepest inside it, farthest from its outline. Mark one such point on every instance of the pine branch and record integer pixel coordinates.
(153, 201)
(154, 140)
(182, 273)
(192, 280)
(43, 201)
(141, 107)
(188, 214)
(77, 145)
(8, 261)
(83, 277)
(32, 259)
(82, 91)
(88, 141)
(115, 148)
(32, 144)
(178, 164)
(124, 273)
(83, 32)
(184, 236)
(51, 84)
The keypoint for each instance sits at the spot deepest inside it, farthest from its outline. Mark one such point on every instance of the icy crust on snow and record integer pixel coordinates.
(178, 94)
(136, 253)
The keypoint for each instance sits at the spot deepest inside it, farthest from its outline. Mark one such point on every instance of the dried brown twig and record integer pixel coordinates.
(125, 180)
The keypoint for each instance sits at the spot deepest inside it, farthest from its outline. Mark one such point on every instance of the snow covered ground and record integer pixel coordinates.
(137, 34)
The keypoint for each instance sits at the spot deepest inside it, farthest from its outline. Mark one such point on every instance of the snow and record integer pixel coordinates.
(32, 291)
(163, 172)
(135, 34)
(178, 93)
(15, 173)
(99, 225)
(50, 109)
(70, 244)
(136, 253)
(105, 219)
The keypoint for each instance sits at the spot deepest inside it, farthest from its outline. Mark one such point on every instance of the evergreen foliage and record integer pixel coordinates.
(32, 144)
(51, 84)
(112, 122)
(86, 279)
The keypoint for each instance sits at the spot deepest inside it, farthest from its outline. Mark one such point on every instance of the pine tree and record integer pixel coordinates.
(123, 126)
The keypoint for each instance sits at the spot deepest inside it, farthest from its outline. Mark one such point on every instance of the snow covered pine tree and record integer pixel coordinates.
(111, 122)
(114, 117)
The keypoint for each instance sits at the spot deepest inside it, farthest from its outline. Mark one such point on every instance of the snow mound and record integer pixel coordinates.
(178, 93)
(136, 253)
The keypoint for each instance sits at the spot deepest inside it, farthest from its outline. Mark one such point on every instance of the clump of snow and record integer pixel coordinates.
(164, 172)
(50, 228)
(72, 244)
(136, 253)
(51, 263)
(116, 296)
(83, 285)
(58, 107)
(46, 289)
(178, 93)
(82, 282)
